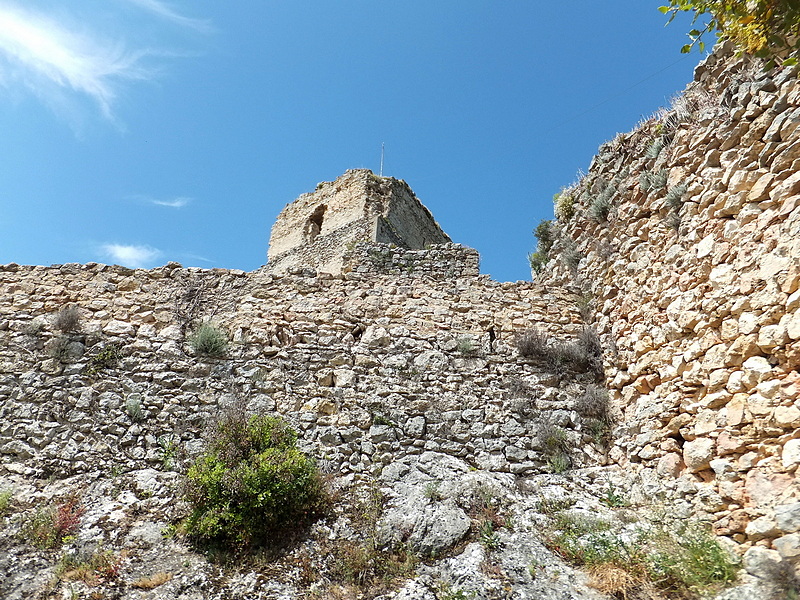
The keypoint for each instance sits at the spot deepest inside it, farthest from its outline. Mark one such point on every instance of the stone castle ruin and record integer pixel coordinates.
(676, 260)
(320, 231)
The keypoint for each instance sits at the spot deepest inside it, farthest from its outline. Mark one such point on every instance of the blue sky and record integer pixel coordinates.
(142, 131)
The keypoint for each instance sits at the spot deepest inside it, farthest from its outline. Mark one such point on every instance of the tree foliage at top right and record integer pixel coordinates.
(769, 29)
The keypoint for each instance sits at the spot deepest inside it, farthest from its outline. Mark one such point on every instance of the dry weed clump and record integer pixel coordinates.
(67, 320)
(153, 581)
(620, 582)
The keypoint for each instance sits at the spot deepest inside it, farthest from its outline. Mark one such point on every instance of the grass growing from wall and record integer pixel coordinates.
(50, 526)
(209, 340)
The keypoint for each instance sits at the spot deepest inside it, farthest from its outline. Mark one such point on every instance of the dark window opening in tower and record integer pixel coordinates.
(314, 223)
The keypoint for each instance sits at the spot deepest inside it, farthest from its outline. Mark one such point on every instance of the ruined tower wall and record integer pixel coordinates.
(316, 230)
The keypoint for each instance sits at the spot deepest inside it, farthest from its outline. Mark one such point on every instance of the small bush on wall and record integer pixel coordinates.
(209, 340)
(67, 320)
(251, 483)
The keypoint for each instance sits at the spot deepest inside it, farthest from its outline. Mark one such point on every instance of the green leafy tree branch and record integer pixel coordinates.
(769, 29)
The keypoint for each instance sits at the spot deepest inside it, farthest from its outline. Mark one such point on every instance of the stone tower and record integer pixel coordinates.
(315, 230)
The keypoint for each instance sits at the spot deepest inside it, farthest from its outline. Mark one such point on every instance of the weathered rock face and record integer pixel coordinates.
(686, 234)
(315, 230)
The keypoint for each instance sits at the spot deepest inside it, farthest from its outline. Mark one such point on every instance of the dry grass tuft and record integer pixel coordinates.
(613, 580)
(149, 583)
(622, 583)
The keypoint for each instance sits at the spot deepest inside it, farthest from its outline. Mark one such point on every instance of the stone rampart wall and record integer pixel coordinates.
(443, 261)
(369, 369)
(686, 235)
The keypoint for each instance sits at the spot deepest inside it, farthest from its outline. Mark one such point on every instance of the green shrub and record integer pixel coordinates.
(488, 536)
(537, 260)
(105, 359)
(546, 237)
(585, 354)
(612, 499)
(251, 483)
(564, 205)
(674, 197)
(585, 305)
(466, 347)
(5, 501)
(533, 343)
(555, 447)
(545, 234)
(91, 567)
(655, 148)
(600, 208)
(571, 256)
(64, 350)
(432, 491)
(208, 340)
(580, 539)
(766, 29)
(133, 406)
(601, 205)
(691, 560)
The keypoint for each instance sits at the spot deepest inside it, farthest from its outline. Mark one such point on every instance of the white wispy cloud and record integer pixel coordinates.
(164, 10)
(49, 58)
(197, 257)
(177, 202)
(68, 53)
(135, 257)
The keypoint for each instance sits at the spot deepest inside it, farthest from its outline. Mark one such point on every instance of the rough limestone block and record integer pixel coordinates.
(787, 517)
(698, 453)
(793, 327)
(344, 378)
(118, 328)
(790, 456)
(788, 546)
(772, 264)
(788, 187)
(762, 563)
(375, 337)
(787, 417)
(760, 189)
(762, 527)
(723, 469)
(764, 489)
(756, 369)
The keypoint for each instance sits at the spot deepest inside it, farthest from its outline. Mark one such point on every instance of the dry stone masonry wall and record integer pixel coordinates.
(685, 234)
(368, 369)
(401, 369)
(443, 261)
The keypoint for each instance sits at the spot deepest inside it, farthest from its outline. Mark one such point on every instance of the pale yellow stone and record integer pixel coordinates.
(787, 416)
(772, 336)
(736, 410)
